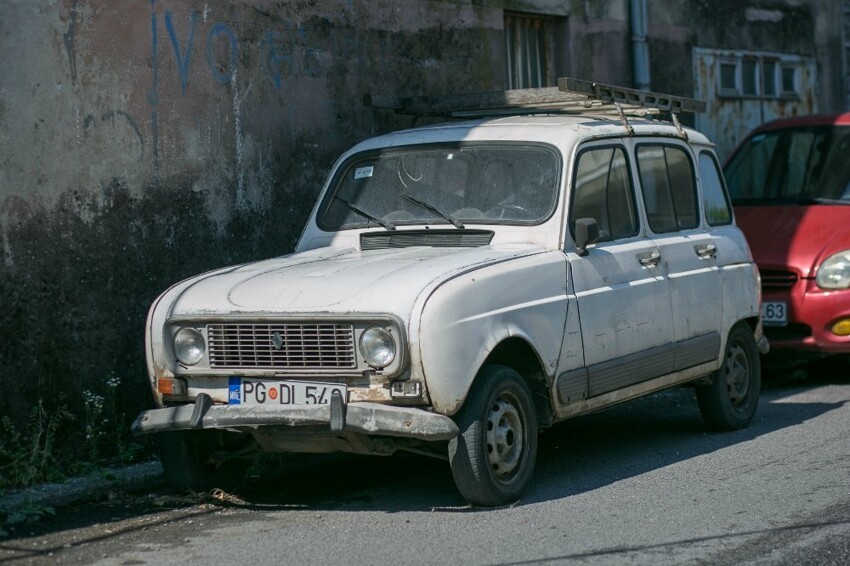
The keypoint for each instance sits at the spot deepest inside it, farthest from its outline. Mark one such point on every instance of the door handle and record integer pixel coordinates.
(706, 251)
(649, 259)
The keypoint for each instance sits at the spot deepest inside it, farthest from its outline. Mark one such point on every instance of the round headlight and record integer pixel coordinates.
(189, 346)
(834, 272)
(377, 346)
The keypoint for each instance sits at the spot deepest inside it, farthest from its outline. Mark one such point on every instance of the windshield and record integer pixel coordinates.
(457, 184)
(800, 165)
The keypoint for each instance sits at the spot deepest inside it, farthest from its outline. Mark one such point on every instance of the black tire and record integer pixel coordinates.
(197, 460)
(730, 401)
(492, 459)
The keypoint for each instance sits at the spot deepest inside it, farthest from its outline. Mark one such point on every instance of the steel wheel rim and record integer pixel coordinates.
(505, 439)
(737, 374)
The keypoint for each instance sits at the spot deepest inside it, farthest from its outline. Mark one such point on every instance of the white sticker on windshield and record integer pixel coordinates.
(363, 172)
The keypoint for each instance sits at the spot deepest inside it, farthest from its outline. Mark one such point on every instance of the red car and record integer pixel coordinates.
(790, 183)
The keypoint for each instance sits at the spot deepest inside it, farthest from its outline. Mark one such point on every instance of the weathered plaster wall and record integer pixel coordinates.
(143, 141)
(675, 28)
(601, 49)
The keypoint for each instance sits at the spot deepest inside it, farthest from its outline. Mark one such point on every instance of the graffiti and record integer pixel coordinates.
(153, 96)
(295, 52)
(282, 58)
(182, 61)
(218, 75)
(110, 115)
(68, 40)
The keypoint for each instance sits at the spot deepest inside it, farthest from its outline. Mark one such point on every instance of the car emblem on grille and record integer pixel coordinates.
(277, 340)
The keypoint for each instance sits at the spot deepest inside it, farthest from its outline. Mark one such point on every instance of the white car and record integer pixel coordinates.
(460, 286)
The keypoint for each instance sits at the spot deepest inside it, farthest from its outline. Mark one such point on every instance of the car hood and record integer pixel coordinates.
(794, 237)
(335, 280)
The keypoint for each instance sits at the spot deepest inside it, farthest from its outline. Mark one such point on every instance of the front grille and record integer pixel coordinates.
(777, 279)
(281, 346)
(790, 332)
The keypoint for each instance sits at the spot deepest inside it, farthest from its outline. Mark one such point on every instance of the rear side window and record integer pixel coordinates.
(669, 190)
(603, 191)
(714, 199)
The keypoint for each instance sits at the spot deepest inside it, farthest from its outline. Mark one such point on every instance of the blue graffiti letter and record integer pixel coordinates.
(218, 75)
(182, 60)
(274, 56)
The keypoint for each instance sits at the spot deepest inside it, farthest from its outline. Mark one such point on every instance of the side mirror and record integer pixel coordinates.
(587, 233)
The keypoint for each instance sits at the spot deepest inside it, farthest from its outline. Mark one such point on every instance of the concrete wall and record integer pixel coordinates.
(143, 141)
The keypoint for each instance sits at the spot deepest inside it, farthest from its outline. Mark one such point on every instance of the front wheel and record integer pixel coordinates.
(198, 460)
(730, 400)
(492, 459)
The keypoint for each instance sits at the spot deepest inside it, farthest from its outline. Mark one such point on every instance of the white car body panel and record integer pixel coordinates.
(468, 316)
(457, 305)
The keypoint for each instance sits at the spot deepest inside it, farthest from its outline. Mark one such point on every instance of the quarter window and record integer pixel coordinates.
(603, 191)
(714, 199)
(669, 190)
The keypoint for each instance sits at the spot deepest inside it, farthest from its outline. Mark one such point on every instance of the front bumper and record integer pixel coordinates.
(366, 418)
(811, 313)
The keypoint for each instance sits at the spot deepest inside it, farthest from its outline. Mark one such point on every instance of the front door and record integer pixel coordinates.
(623, 297)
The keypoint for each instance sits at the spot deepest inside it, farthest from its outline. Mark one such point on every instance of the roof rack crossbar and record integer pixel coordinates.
(571, 96)
(643, 98)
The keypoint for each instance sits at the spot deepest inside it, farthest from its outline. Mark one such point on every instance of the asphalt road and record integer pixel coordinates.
(642, 483)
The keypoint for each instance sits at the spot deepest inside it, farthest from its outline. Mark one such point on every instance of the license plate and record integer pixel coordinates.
(774, 313)
(248, 391)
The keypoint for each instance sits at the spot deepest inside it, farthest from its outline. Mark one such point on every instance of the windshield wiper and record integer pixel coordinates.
(431, 208)
(386, 224)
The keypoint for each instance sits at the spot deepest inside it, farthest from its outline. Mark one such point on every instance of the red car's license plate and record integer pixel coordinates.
(774, 313)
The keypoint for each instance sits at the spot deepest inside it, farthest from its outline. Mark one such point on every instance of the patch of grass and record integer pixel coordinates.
(28, 456)
(30, 453)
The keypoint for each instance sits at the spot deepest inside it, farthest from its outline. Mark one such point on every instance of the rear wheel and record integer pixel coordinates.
(492, 459)
(730, 400)
(198, 460)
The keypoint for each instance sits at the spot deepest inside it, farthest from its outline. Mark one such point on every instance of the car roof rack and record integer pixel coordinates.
(571, 96)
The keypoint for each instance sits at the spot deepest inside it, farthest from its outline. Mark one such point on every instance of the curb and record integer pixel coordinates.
(89, 488)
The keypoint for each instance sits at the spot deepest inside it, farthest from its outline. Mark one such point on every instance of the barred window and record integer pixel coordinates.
(529, 47)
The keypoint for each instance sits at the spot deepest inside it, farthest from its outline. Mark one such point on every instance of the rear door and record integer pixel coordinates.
(622, 295)
(688, 251)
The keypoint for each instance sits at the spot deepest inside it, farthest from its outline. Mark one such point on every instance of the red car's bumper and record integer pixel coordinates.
(812, 313)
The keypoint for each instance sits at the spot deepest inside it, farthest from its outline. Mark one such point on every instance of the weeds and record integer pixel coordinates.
(106, 426)
(29, 453)
(28, 457)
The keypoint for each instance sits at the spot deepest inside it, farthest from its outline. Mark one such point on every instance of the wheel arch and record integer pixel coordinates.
(519, 355)
(752, 322)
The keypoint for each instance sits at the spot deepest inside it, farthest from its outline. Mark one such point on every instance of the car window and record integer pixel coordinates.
(796, 165)
(714, 200)
(492, 183)
(603, 191)
(669, 189)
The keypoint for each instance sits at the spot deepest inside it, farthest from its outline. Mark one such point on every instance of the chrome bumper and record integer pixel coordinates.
(366, 418)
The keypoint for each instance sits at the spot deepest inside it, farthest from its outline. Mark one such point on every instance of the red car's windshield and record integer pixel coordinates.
(807, 165)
